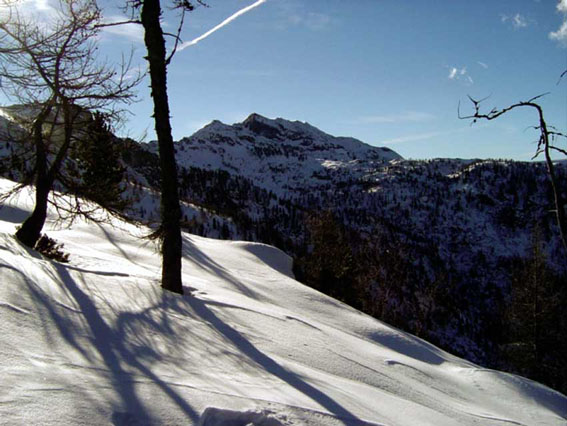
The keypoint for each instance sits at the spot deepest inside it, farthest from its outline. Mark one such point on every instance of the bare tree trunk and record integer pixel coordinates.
(170, 210)
(557, 197)
(56, 66)
(30, 230)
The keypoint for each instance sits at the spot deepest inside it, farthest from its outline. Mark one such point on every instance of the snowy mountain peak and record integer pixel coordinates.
(279, 154)
(282, 129)
(262, 126)
(256, 118)
(215, 125)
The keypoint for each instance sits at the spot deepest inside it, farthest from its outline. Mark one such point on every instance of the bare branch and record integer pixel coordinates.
(176, 36)
(114, 24)
(543, 146)
(562, 151)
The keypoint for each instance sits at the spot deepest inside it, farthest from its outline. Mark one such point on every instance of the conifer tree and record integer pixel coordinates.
(536, 321)
(330, 267)
(102, 174)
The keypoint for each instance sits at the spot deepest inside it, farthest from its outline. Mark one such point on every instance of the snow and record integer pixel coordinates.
(8, 127)
(96, 341)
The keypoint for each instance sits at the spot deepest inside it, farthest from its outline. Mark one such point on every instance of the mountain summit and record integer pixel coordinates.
(279, 128)
(278, 153)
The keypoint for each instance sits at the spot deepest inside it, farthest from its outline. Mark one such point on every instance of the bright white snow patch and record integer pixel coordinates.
(4, 114)
(96, 341)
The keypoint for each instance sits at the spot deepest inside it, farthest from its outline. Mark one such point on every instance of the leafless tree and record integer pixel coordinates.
(545, 145)
(52, 67)
(158, 59)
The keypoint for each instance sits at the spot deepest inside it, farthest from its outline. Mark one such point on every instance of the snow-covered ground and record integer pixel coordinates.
(96, 341)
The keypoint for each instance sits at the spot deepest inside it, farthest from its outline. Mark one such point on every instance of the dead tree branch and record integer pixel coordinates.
(544, 145)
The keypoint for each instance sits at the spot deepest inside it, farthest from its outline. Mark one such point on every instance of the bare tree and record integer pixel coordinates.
(52, 67)
(545, 146)
(170, 229)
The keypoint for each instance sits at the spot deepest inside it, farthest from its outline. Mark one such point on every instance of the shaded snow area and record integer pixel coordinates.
(96, 341)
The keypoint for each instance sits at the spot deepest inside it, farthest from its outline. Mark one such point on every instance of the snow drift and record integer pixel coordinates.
(96, 341)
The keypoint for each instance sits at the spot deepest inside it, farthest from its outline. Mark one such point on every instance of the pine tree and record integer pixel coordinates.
(536, 322)
(102, 173)
(330, 267)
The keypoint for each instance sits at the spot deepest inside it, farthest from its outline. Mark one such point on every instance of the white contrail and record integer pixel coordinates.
(222, 24)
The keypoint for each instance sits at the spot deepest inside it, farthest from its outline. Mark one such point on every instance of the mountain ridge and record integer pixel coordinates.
(265, 150)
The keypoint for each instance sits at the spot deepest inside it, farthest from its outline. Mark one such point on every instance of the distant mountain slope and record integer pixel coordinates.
(96, 341)
(278, 154)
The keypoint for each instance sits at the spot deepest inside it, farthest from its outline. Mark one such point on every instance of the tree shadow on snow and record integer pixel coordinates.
(13, 214)
(121, 363)
(110, 345)
(411, 346)
(201, 260)
(268, 364)
(125, 352)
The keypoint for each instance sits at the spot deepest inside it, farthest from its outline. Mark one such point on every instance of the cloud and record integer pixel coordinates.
(518, 21)
(313, 21)
(40, 10)
(483, 65)
(413, 138)
(252, 72)
(561, 34)
(42, 4)
(136, 72)
(460, 74)
(293, 14)
(132, 32)
(222, 24)
(453, 73)
(27, 5)
(317, 21)
(427, 135)
(405, 117)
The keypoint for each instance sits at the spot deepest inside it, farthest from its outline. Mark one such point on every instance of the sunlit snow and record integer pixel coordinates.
(96, 341)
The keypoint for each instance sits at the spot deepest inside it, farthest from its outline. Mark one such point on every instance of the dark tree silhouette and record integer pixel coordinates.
(535, 324)
(158, 60)
(170, 229)
(53, 68)
(100, 175)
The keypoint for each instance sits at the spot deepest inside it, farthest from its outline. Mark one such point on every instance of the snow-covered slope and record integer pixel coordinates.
(9, 129)
(96, 341)
(279, 155)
